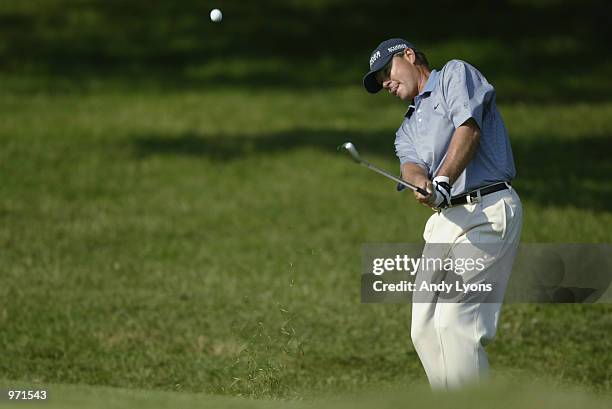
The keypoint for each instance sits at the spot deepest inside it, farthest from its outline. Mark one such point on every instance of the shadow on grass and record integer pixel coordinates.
(552, 171)
(173, 45)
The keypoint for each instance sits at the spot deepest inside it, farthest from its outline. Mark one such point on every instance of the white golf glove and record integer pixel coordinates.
(441, 196)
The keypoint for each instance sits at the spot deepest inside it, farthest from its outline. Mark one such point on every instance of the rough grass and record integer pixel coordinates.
(500, 394)
(210, 241)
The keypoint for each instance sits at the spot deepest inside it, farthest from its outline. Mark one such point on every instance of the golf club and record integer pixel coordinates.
(352, 150)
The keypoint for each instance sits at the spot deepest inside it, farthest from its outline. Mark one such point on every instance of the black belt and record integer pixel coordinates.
(472, 197)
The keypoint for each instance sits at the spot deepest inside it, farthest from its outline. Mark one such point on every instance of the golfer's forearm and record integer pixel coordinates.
(461, 150)
(415, 174)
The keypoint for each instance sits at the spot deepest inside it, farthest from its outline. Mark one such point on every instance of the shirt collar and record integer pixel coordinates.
(431, 83)
(409, 112)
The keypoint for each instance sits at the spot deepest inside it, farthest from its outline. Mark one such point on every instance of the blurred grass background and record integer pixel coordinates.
(546, 50)
(174, 216)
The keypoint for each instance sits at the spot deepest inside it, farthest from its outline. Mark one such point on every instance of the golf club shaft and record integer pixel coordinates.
(390, 176)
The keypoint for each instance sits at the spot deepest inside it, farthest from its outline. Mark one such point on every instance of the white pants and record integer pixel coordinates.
(450, 337)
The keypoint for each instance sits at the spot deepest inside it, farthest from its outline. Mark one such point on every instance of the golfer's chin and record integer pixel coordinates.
(403, 95)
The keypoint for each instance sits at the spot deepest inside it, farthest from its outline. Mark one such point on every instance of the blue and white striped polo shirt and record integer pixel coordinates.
(450, 97)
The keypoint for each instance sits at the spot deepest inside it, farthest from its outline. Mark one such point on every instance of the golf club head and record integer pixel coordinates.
(352, 150)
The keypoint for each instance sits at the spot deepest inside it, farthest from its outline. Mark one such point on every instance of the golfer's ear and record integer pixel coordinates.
(410, 55)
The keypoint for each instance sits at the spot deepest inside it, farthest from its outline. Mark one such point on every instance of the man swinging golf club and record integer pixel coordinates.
(453, 143)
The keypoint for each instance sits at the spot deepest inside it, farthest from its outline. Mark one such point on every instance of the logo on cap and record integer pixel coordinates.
(374, 57)
(397, 47)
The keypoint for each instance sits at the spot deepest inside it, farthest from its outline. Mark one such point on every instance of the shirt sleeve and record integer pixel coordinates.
(405, 148)
(466, 92)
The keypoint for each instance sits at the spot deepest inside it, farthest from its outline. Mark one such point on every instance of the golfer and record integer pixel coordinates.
(453, 143)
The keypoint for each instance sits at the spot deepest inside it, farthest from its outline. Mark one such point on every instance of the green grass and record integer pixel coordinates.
(63, 45)
(177, 228)
(506, 394)
(210, 241)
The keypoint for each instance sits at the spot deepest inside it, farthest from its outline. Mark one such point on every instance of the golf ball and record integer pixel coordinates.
(215, 15)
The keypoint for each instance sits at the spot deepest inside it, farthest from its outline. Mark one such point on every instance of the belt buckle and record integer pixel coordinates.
(472, 200)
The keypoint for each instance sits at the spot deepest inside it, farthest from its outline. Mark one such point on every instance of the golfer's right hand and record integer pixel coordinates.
(428, 200)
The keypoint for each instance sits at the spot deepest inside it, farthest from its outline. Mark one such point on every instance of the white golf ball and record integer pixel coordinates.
(215, 15)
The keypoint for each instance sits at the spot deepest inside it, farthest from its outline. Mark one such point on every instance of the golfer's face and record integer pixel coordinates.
(397, 77)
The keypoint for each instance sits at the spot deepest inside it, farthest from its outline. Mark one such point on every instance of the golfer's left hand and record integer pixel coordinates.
(439, 193)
